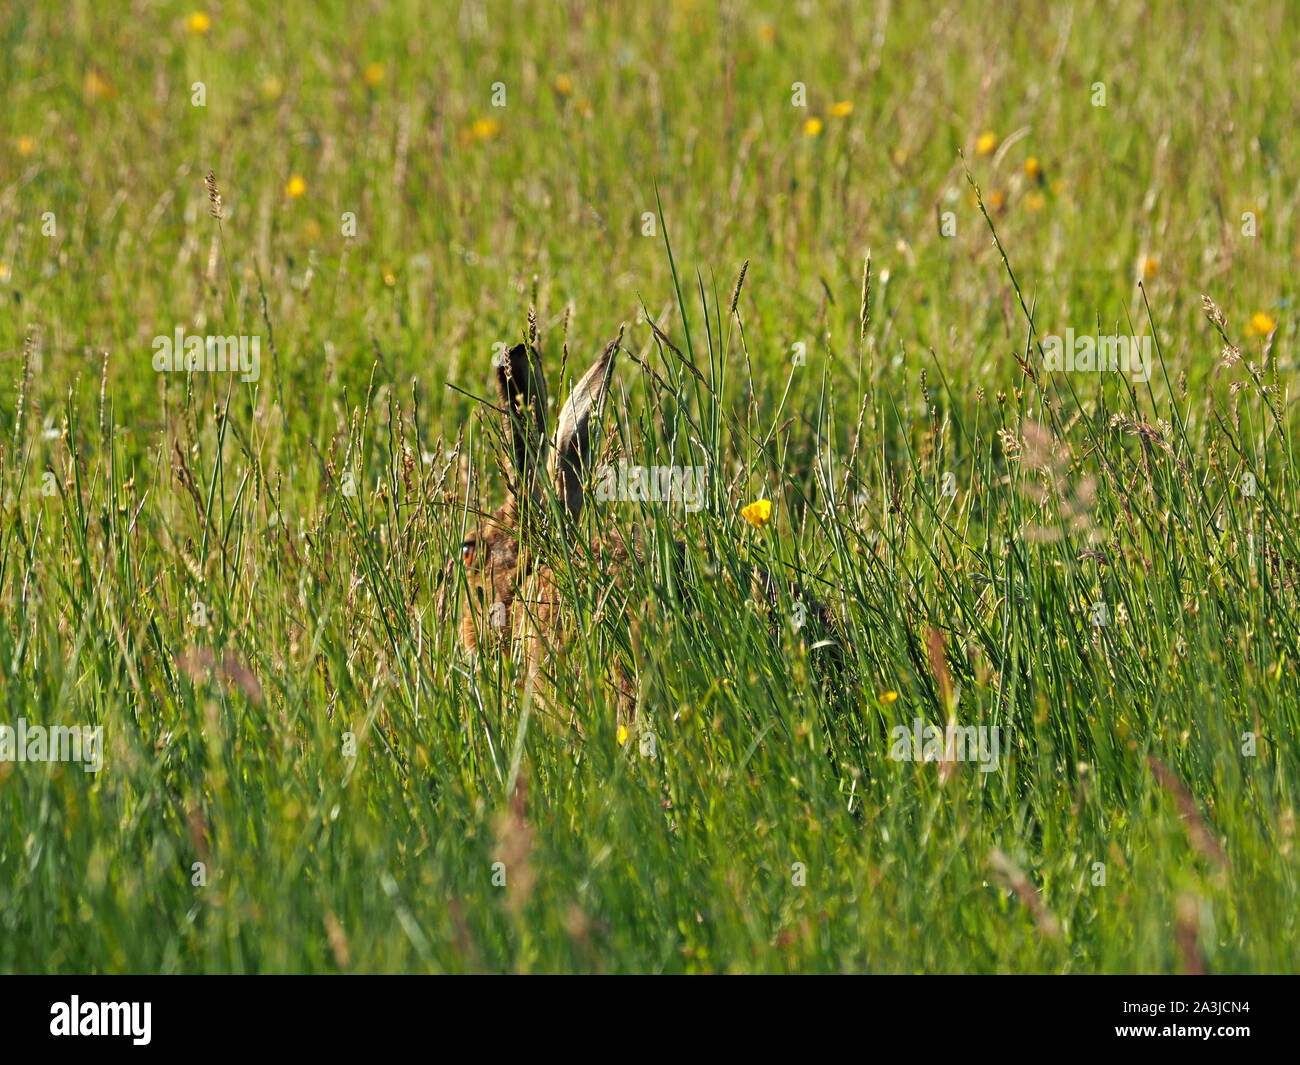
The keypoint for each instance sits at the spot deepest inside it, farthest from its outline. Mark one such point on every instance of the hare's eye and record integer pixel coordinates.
(467, 554)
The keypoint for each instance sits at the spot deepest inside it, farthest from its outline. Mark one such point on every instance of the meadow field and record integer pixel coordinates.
(1047, 720)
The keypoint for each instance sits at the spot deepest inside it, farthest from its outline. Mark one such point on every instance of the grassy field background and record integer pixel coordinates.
(238, 581)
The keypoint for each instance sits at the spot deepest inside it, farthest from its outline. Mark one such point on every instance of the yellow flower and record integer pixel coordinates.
(563, 85)
(373, 75)
(813, 127)
(1150, 267)
(26, 145)
(997, 199)
(1261, 324)
(484, 129)
(295, 188)
(757, 513)
(271, 88)
(842, 109)
(1035, 201)
(622, 735)
(97, 86)
(5, 273)
(1033, 168)
(767, 33)
(986, 142)
(197, 23)
(390, 279)
(888, 697)
(899, 156)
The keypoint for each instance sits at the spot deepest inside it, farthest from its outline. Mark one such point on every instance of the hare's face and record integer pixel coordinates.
(494, 566)
(490, 559)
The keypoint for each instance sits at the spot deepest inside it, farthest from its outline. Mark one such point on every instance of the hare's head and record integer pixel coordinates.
(546, 477)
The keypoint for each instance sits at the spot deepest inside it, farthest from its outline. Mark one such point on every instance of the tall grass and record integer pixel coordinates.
(303, 769)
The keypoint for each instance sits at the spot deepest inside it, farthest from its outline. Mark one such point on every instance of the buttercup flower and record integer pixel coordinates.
(757, 513)
(98, 87)
(482, 129)
(1261, 324)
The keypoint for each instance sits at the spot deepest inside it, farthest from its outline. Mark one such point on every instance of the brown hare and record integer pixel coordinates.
(514, 594)
(513, 590)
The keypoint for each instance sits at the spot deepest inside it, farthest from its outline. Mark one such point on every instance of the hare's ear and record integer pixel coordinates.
(521, 388)
(573, 434)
